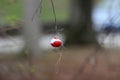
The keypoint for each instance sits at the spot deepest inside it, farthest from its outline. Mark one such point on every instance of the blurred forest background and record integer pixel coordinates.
(89, 30)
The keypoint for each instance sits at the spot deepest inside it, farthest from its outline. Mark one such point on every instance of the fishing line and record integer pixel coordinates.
(56, 32)
(58, 62)
(54, 13)
(39, 8)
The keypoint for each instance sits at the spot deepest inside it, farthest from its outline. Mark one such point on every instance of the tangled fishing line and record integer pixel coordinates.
(55, 41)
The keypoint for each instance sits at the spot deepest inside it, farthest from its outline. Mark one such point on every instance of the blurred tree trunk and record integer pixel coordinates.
(81, 31)
(31, 28)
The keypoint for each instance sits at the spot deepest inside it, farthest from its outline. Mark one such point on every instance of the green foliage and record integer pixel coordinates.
(20, 66)
(11, 11)
(33, 69)
(24, 53)
(61, 9)
(12, 20)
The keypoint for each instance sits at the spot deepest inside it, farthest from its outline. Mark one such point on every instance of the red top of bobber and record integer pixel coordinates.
(55, 42)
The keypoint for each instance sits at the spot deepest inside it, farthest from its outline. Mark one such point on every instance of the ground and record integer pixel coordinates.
(74, 65)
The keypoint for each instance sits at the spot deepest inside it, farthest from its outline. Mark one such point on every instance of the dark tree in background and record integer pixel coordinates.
(81, 31)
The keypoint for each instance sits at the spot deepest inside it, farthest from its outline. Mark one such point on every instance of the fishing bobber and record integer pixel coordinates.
(56, 42)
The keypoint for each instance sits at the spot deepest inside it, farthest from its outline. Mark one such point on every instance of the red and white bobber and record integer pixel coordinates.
(56, 42)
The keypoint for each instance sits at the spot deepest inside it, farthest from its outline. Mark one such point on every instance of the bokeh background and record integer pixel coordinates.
(89, 30)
